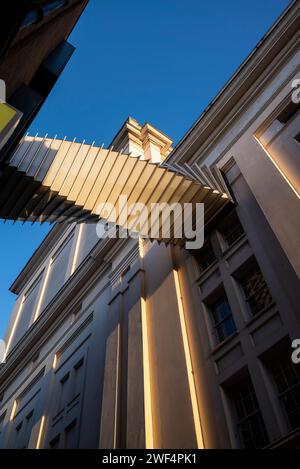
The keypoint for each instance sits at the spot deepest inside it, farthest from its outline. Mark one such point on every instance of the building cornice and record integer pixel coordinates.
(226, 105)
(150, 134)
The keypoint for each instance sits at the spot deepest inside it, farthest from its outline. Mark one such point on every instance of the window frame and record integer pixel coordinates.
(249, 268)
(244, 380)
(216, 325)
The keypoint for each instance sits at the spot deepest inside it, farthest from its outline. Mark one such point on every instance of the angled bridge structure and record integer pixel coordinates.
(53, 180)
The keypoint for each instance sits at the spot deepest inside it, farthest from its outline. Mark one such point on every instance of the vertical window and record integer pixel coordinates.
(250, 424)
(77, 378)
(63, 392)
(54, 444)
(2, 418)
(286, 377)
(71, 436)
(223, 321)
(23, 431)
(257, 294)
(298, 138)
(288, 112)
(28, 424)
(231, 230)
(19, 431)
(205, 256)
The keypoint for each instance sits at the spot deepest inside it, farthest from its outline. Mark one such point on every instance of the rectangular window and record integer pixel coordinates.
(23, 431)
(63, 392)
(298, 138)
(205, 256)
(71, 436)
(28, 424)
(257, 294)
(2, 419)
(286, 377)
(249, 420)
(77, 379)
(224, 325)
(19, 431)
(54, 444)
(231, 230)
(288, 112)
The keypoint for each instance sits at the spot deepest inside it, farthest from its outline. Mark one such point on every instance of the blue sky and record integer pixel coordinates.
(160, 61)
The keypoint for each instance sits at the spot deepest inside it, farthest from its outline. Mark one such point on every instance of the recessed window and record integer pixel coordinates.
(71, 436)
(298, 138)
(231, 230)
(249, 421)
(63, 392)
(286, 377)
(288, 112)
(2, 419)
(19, 426)
(257, 294)
(54, 444)
(77, 378)
(224, 325)
(205, 256)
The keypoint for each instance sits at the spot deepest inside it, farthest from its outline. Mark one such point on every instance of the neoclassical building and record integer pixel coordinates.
(128, 343)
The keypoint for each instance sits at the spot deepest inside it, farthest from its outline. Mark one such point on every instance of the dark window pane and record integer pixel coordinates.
(221, 310)
(289, 112)
(287, 381)
(205, 257)
(54, 444)
(231, 229)
(249, 419)
(223, 320)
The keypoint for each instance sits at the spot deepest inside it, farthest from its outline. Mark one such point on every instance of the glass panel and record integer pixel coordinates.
(231, 229)
(221, 310)
(205, 257)
(287, 380)
(70, 436)
(223, 319)
(63, 392)
(249, 419)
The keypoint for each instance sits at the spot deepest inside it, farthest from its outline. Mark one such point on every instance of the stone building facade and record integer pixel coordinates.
(131, 344)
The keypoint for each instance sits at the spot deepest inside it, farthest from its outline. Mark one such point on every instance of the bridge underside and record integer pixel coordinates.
(51, 180)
